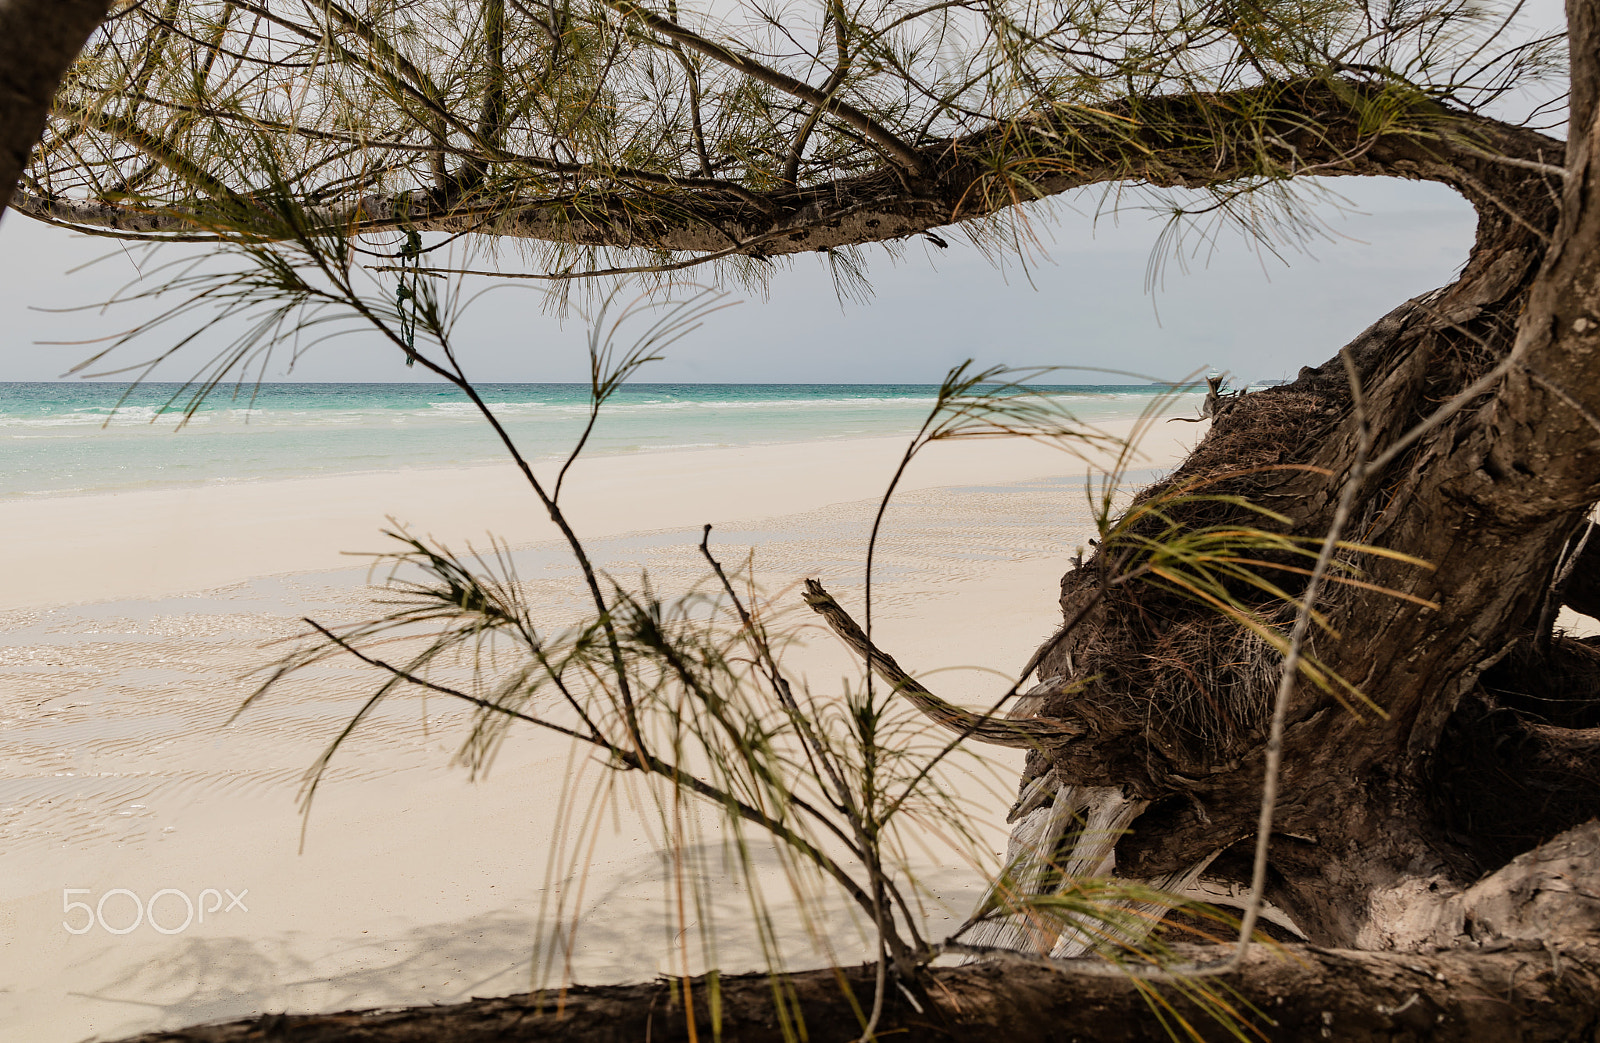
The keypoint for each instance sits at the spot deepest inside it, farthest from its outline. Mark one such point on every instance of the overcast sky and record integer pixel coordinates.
(1086, 304)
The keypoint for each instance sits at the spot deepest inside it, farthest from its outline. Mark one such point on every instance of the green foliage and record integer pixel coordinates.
(668, 117)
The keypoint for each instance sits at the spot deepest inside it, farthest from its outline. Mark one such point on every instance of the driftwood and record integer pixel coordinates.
(1516, 957)
(1527, 994)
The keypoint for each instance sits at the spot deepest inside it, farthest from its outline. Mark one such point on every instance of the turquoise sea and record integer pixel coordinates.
(64, 437)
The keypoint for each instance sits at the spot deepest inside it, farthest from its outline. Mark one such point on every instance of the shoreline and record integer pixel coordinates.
(542, 463)
(96, 547)
(52, 442)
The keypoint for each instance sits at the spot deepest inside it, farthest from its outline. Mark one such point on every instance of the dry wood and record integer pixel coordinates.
(1526, 995)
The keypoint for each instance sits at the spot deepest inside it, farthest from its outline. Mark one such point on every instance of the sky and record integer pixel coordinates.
(1083, 301)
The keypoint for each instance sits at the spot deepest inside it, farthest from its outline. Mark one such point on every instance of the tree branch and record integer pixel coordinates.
(1030, 733)
(1521, 993)
(903, 154)
(1271, 131)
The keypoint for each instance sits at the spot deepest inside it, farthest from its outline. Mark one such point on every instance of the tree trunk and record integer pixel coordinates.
(1479, 705)
(1522, 965)
(38, 40)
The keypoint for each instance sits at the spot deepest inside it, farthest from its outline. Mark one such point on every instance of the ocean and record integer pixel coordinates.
(66, 437)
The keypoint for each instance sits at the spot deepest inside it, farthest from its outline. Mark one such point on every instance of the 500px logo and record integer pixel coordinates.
(194, 911)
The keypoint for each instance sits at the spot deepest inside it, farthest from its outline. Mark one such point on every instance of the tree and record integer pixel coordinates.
(1429, 770)
(38, 41)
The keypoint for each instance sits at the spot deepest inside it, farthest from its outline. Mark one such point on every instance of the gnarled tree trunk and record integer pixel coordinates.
(1486, 743)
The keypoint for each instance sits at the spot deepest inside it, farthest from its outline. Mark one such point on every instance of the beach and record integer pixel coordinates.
(134, 620)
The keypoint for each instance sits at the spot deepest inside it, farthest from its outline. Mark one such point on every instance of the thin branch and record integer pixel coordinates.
(903, 154)
(1027, 733)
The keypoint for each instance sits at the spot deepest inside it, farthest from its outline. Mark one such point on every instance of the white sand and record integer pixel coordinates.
(417, 885)
(141, 544)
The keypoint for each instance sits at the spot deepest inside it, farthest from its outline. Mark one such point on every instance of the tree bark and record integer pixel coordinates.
(38, 40)
(1492, 497)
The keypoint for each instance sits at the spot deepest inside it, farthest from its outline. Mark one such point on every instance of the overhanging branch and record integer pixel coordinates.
(1278, 130)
